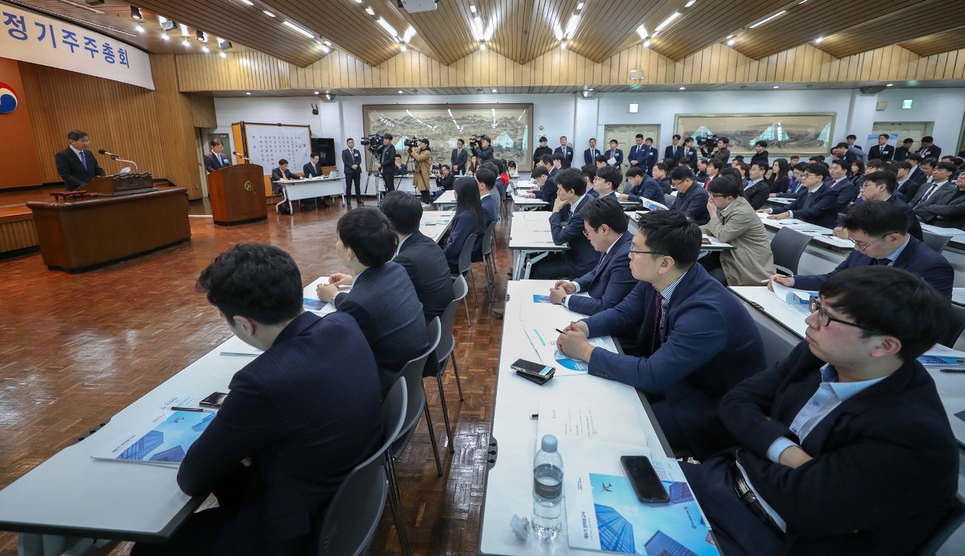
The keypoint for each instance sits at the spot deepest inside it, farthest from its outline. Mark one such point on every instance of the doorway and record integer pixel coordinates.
(915, 130)
(626, 136)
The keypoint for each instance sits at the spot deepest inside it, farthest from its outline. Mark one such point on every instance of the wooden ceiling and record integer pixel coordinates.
(523, 30)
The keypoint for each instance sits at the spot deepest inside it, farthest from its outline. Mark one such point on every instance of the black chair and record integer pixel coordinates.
(787, 247)
(489, 261)
(446, 348)
(936, 241)
(953, 520)
(465, 267)
(958, 326)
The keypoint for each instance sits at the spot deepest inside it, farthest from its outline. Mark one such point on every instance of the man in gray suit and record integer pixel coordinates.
(352, 163)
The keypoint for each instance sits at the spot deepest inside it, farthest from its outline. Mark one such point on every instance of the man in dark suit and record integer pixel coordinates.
(280, 173)
(75, 164)
(929, 149)
(547, 191)
(566, 151)
(215, 160)
(294, 423)
(946, 207)
(880, 186)
(691, 153)
(695, 341)
(382, 299)
(674, 151)
(313, 168)
(387, 162)
(459, 158)
(757, 191)
(590, 154)
(610, 280)
(638, 155)
(937, 178)
(904, 150)
(614, 154)
(917, 173)
(691, 199)
(818, 205)
(651, 155)
(486, 181)
(841, 185)
(566, 226)
(880, 234)
(352, 167)
(905, 187)
(641, 186)
(844, 446)
(882, 151)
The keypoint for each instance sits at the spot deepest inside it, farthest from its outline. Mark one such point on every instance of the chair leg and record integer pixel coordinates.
(396, 504)
(445, 413)
(456, 372)
(465, 302)
(473, 280)
(432, 437)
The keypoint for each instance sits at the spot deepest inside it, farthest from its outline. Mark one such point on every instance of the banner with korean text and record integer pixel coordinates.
(38, 39)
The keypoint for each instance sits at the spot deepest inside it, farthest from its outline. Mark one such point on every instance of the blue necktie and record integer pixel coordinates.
(83, 159)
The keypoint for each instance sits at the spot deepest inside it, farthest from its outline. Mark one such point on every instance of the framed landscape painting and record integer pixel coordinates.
(785, 133)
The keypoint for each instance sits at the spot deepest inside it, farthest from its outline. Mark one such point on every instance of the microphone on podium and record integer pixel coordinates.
(117, 158)
(112, 155)
(242, 156)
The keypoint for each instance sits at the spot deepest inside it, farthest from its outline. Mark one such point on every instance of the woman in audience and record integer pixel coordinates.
(779, 181)
(511, 168)
(469, 219)
(502, 179)
(473, 166)
(857, 173)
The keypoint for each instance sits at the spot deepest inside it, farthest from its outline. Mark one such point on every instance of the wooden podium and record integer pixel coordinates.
(237, 195)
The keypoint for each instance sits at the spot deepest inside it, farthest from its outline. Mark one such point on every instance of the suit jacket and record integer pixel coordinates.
(616, 154)
(425, 263)
(945, 208)
(847, 193)
(580, 258)
(649, 188)
(752, 260)
(276, 174)
(901, 153)
(303, 420)
(446, 183)
(692, 381)
(781, 185)
(211, 162)
(72, 170)
(386, 306)
(567, 153)
(822, 212)
(463, 225)
(589, 156)
(916, 258)
(388, 157)
(907, 190)
(933, 151)
(315, 170)
(668, 152)
(867, 490)
(918, 175)
(548, 191)
(639, 153)
(760, 158)
(490, 208)
(608, 283)
(352, 157)
(914, 226)
(878, 152)
(758, 194)
(460, 158)
(693, 203)
(691, 153)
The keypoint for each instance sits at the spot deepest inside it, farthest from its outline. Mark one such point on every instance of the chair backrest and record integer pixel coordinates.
(412, 372)
(787, 247)
(465, 257)
(352, 516)
(936, 241)
(447, 341)
(487, 243)
(958, 326)
(953, 520)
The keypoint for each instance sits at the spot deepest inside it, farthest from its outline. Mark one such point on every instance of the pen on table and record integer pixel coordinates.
(765, 281)
(193, 409)
(558, 330)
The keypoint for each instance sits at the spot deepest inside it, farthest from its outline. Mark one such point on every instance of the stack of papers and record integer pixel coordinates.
(943, 357)
(162, 439)
(652, 205)
(799, 299)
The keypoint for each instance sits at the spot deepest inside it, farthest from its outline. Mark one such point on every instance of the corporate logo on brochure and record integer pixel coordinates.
(8, 99)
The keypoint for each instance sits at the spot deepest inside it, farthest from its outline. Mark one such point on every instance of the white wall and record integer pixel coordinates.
(944, 107)
(273, 110)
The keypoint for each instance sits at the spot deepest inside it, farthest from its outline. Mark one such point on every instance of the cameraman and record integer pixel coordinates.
(483, 149)
(387, 164)
(721, 152)
(423, 167)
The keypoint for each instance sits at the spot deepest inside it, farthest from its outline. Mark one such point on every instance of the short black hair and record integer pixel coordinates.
(571, 179)
(727, 186)
(681, 173)
(762, 166)
(689, 140)
(76, 134)
(614, 141)
(843, 164)
(725, 140)
(601, 158)
(539, 171)
(876, 219)
(487, 177)
(639, 136)
(928, 139)
(947, 166)
(716, 163)
(404, 211)
(634, 171)
(670, 232)
(888, 179)
(818, 168)
(387, 136)
(732, 172)
(676, 136)
(446, 166)
(558, 156)
(931, 161)
(605, 210)
(662, 165)
(282, 162)
(254, 280)
(885, 135)
(891, 301)
(903, 164)
(589, 171)
(212, 143)
(350, 139)
(914, 156)
(852, 136)
(610, 174)
(313, 155)
(761, 144)
(592, 139)
(908, 140)
(801, 166)
(368, 233)
(460, 141)
(546, 159)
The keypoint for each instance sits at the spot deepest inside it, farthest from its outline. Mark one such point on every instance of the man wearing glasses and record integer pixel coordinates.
(879, 231)
(694, 339)
(76, 164)
(844, 445)
(817, 205)
(880, 186)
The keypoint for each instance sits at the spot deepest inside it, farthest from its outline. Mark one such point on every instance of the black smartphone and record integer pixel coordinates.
(214, 400)
(644, 480)
(536, 372)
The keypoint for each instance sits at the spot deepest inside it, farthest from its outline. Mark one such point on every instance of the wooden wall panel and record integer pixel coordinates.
(202, 111)
(19, 164)
(153, 128)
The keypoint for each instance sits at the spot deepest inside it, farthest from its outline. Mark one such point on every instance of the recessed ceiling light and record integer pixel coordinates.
(223, 55)
(402, 47)
(494, 90)
(777, 86)
(731, 42)
(683, 88)
(400, 92)
(369, 10)
(298, 29)
(471, 8)
(266, 12)
(690, 3)
(590, 89)
(890, 85)
(563, 45)
(247, 2)
(139, 29)
(387, 26)
(670, 19)
(248, 93)
(315, 92)
(186, 43)
(205, 49)
(730, 36)
(818, 40)
(765, 20)
(646, 44)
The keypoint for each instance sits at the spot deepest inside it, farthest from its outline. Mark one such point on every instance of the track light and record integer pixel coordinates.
(200, 36)
(166, 23)
(136, 13)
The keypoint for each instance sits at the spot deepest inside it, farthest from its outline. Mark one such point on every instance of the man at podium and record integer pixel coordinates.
(215, 160)
(75, 164)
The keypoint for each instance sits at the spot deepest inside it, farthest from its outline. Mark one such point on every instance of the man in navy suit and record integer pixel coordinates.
(641, 186)
(651, 155)
(639, 154)
(382, 299)
(691, 199)
(580, 258)
(674, 151)
(905, 187)
(614, 154)
(882, 151)
(610, 280)
(459, 158)
(880, 234)
(918, 174)
(215, 160)
(695, 340)
(352, 167)
(590, 154)
(313, 168)
(566, 152)
(486, 180)
(880, 186)
(818, 205)
(929, 149)
(840, 184)
(75, 164)
(294, 423)
(844, 445)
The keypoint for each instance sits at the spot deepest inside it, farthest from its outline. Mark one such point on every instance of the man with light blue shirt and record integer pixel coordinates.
(844, 446)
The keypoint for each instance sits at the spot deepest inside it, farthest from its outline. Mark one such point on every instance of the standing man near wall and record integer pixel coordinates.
(388, 162)
(566, 151)
(74, 164)
(459, 158)
(214, 160)
(352, 162)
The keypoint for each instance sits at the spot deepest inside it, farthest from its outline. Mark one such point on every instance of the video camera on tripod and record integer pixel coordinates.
(375, 143)
(411, 143)
(476, 141)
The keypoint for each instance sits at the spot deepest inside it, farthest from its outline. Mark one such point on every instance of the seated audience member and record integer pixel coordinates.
(280, 173)
(547, 193)
(733, 220)
(817, 204)
(610, 280)
(313, 168)
(841, 185)
(293, 412)
(539, 176)
(580, 258)
(844, 446)
(779, 181)
(691, 199)
(606, 182)
(485, 179)
(469, 218)
(695, 341)
(760, 154)
(858, 170)
(661, 174)
(942, 202)
(423, 259)
(641, 186)
(446, 178)
(382, 299)
(880, 234)
(701, 172)
(880, 186)
(400, 168)
(589, 174)
(714, 166)
(757, 190)
(906, 188)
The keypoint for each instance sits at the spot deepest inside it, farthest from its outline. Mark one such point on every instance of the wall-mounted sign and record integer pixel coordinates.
(8, 99)
(38, 39)
(906, 104)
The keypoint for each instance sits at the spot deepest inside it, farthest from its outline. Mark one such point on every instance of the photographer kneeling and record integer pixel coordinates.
(423, 166)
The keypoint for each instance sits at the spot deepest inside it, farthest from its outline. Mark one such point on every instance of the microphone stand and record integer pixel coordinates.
(115, 158)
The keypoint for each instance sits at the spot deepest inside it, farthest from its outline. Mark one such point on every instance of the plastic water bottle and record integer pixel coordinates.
(547, 489)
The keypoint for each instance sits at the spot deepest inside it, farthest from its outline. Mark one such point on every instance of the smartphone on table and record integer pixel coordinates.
(536, 372)
(644, 480)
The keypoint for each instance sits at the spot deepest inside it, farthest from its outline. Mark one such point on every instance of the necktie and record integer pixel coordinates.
(928, 193)
(218, 158)
(83, 159)
(809, 199)
(658, 321)
(881, 262)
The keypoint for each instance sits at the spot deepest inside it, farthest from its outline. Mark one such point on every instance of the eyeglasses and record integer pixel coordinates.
(862, 245)
(632, 252)
(586, 231)
(825, 318)
(717, 196)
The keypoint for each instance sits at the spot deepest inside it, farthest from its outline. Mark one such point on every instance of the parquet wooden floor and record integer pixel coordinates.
(76, 349)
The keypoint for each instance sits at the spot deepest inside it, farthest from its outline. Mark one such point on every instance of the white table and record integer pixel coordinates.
(509, 479)
(321, 186)
(445, 201)
(521, 203)
(530, 240)
(434, 224)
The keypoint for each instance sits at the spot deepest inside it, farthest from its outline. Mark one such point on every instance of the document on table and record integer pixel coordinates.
(543, 340)
(243, 350)
(582, 427)
(162, 439)
(943, 357)
(799, 299)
